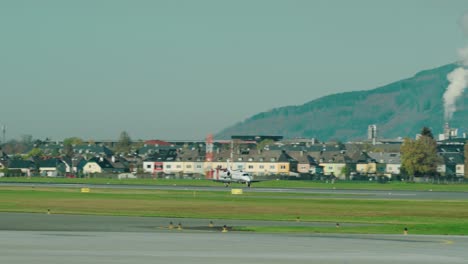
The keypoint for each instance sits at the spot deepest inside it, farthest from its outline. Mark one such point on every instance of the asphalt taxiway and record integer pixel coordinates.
(42, 238)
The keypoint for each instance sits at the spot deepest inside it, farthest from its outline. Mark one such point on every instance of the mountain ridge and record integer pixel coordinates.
(399, 109)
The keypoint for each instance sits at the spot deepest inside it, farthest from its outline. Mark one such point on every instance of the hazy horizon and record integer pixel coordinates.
(182, 69)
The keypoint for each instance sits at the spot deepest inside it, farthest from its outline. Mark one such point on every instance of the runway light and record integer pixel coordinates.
(405, 231)
(224, 229)
(170, 225)
(210, 224)
(179, 226)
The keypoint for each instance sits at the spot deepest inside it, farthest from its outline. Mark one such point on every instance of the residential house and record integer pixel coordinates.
(257, 163)
(92, 150)
(26, 167)
(102, 165)
(148, 150)
(314, 166)
(70, 164)
(193, 161)
(51, 167)
(452, 165)
(241, 155)
(325, 147)
(173, 166)
(306, 164)
(51, 148)
(390, 160)
(154, 163)
(272, 162)
(120, 164)
(3, 160)
(333, 163)
(263, 163)
(3, 164)
(303, 165)
(364, 164)
(80, 164)
(287, 165)
(133, 161)
(451, 153)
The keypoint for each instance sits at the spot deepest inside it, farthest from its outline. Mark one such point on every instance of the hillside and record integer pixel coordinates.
(401, 109)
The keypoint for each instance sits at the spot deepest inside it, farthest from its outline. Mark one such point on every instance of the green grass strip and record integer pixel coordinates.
(374, 216)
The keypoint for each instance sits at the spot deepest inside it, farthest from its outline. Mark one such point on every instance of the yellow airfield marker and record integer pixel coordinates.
(447, 242)
(236, 191)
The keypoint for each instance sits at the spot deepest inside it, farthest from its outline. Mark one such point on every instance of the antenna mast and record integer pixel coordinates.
(3, 134)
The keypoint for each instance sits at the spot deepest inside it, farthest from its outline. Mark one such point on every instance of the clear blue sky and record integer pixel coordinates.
(182, 69)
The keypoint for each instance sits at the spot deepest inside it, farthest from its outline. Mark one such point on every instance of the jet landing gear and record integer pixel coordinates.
(227, 184)
(248, 184)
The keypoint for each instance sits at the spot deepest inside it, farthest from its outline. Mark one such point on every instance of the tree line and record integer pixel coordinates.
(32, 147)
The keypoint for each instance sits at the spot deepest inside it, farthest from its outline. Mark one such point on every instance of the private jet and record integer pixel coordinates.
(228, 176)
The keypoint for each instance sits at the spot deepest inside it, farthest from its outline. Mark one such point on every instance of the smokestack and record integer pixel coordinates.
(446, 131)
(458, 78)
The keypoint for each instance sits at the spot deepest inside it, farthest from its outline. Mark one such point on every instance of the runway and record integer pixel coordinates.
(140, 240)
(319, 193)
(20, 247)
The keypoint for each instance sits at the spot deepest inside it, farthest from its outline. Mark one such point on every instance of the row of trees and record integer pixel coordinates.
(26, 144)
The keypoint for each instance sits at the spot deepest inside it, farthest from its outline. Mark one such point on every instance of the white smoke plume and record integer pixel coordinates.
(458, 78)
(458, 82)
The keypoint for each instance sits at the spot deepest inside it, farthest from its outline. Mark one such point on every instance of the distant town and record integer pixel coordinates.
(262, 156)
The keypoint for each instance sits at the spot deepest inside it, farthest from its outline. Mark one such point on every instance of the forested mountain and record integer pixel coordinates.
(399, 109)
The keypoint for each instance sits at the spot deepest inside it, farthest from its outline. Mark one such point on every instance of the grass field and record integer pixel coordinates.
(382, 216)
(265, 184)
